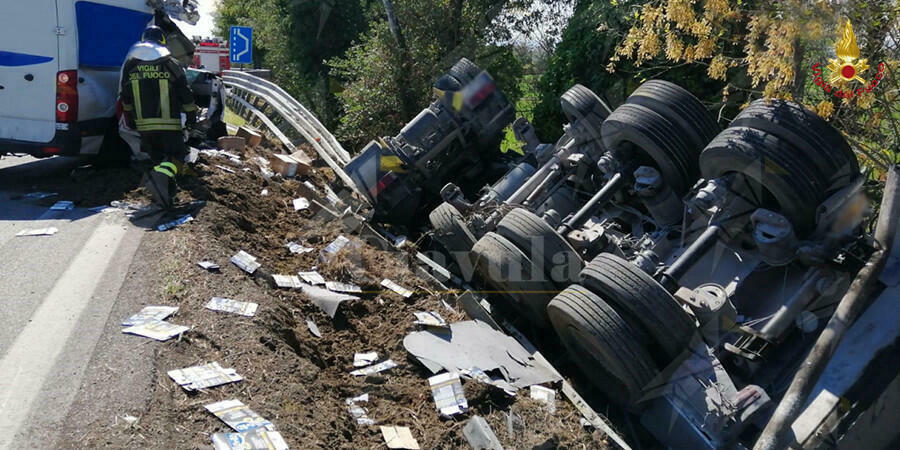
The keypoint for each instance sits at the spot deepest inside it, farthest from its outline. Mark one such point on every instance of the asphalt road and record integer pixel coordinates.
(56, 298)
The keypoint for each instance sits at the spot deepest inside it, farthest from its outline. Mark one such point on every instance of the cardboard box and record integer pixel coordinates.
(253, 137)
(229, 143)
(304, 162)
(283, 164)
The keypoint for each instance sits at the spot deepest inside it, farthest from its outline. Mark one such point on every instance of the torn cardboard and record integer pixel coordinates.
(399, 290)
(447, 392)
(205, 376)
(399, 437)
(156, 329)
(377, 368)
(149, 313)
(360, 414)
(227, 305)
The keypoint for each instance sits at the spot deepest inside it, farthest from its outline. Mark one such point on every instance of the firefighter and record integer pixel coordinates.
(154, 92)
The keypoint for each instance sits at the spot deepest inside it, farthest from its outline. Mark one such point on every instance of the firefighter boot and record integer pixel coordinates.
(160, 182)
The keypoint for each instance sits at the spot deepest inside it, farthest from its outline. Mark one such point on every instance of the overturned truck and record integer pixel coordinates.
(687, 270)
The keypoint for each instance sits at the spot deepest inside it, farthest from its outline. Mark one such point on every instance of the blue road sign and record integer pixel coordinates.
(241, 44)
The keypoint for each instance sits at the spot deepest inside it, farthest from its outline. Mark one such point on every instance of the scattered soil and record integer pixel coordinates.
(294, 379)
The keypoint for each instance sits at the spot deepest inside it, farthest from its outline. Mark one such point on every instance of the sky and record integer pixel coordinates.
(206, 24)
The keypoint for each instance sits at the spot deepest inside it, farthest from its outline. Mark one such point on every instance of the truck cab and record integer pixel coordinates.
(60, 62)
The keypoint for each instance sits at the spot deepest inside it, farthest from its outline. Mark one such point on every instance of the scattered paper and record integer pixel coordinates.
(399, 437)
(205, 376)
(346, 288)
(40, 195)
(149, 313)
(264, 193)
(497, 381)
(326, 300)
(63, 205)
(447, 391)
(298, 249)
(245, 261)
(364, 359)
(430, 319)
(335, 247)
(301, 203)
(360, 414)
(380, 367)
(312, 277)
(227, 169)
(313, 328)
(546, 396)
(238, 416)
(156, 329)
(228, 305)
(400, 290)
(287, 281)
(208, 265)
(180, 221)
(250, 440)
(50, 231)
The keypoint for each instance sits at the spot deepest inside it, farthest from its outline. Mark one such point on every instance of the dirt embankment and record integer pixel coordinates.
(291, 377)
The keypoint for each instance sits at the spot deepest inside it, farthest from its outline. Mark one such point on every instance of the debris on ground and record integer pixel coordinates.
(301, 204)
(480, 436)
(205, 376)
(246, 262)
(345, 288)
(49, 231)
(399, 437)
(209, 265)
(251, 440)
(447, 391)
(399, 290)
(238, 416)
(149, 313)
(227, 305)
(335, 247)
(312, 277)
(179, 221)
(156, 329)
(63, 205)
(377, 368)
(430, 319)
(364, 359)
(296, 248)
(313, 328)
(327, 300)
(287, 281)
(476, 344)
(545, 395)
(359, 414)
(40, 195)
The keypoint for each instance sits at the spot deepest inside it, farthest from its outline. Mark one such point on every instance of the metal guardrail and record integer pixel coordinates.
(266, 105)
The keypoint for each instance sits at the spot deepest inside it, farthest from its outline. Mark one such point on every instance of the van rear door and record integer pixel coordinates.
(29, 62)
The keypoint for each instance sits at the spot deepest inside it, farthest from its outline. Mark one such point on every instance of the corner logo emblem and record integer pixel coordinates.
(847, 66)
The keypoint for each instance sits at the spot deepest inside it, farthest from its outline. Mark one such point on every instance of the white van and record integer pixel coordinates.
(59, 69)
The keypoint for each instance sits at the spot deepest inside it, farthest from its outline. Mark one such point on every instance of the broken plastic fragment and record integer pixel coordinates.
(297, 248)
(205, 376)
(430, 319)
(156, 329)
(399, 437)
(180, 221)
(480, 435)
(312, 277)
(40, 195)
(380, 367)
(286, 281)
(238, 416)
(50, 231)
(250, 440)
(313, 328)
(228, 305)
(246, 262)
(348, 288)
(208, 265)
(326, 300)
(400, 290)
(447, 391)
(364, 359)
(149, 313)
(301, 203)
(546, 396)
(360, 414)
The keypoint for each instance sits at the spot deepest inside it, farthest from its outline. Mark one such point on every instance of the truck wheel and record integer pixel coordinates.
(823, 146)
(579, 102)
(451, 231)
(603, 345)
(643, 302)
(542, 244)
(505, 268)
(464, 71)
(639, 133)
(775, 174)
(680, 107)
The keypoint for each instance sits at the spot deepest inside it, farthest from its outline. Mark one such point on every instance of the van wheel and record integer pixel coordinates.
(542, 244)
(643, 302)
(602, 344)
(451, 231)
(514, 275)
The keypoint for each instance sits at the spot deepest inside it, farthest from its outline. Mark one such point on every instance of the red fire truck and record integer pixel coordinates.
(211, 55)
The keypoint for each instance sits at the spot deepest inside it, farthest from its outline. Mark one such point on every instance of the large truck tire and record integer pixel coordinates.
(464, 71)
(514, 275)
(451, 231)
(679, 107)
(603, 345)
(543, 245)
(580, 102)
(642, 301)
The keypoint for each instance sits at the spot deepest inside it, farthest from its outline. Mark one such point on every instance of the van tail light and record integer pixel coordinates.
(67, 96)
